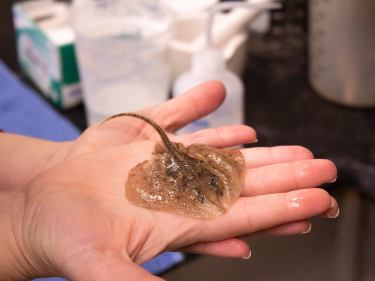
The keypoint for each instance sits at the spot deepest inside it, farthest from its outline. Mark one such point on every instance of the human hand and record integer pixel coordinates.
(76, 221)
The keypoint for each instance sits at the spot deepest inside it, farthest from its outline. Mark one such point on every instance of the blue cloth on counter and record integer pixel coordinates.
(22, 111)
(163, 262)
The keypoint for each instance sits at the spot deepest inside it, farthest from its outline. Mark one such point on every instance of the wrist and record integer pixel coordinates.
(25, 157)
(22, 257)
(22, 158)
(14, 263)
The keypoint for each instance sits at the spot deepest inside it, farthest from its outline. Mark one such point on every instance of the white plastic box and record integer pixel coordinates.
(45, 50)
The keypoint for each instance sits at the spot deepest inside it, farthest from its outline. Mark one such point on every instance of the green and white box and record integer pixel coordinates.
(45, 49)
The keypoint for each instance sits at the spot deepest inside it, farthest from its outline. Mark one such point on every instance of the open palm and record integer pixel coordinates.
(80, 224)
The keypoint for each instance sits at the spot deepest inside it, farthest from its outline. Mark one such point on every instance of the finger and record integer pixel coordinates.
(229, 248)
(236, 247)
(99, 265)
(170, 115)
(262, 156)
(194, 104)
(288, 176)
(253, 214)
(221, 137)
(298, 227)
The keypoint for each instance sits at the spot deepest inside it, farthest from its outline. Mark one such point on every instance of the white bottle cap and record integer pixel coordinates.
(188, 6)
(208, 62)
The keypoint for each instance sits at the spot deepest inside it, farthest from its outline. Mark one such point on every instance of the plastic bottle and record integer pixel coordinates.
(210, 65)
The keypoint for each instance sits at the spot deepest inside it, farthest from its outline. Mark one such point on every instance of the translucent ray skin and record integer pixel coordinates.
(198, 181)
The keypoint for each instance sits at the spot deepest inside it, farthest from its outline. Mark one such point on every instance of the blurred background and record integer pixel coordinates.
(299, 72)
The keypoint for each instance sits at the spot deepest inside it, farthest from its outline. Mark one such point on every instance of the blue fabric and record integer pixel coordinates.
(24, 112)
(163, 262)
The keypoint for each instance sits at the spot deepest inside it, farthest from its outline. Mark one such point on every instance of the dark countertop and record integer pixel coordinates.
(284, 109)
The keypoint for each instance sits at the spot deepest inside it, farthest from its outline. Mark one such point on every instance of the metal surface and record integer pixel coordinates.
(342, 50)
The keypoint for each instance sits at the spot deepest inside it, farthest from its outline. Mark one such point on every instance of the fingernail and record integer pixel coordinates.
(334, 180)
(335, 215)
(248, 256)
(308, 229)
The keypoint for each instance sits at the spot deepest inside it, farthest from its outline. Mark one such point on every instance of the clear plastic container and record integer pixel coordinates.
(121, 47)
(210, 65)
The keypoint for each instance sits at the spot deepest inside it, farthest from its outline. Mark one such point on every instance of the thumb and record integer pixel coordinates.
(107, 266)
(194, 104)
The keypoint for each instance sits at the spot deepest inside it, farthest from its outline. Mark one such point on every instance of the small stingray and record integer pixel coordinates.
(197, 181)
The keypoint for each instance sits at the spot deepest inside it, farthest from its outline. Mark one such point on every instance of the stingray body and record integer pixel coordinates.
(197, 181)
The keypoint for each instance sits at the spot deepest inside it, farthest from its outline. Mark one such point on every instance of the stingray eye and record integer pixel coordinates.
(215, 185)
(214, 182)
(168, 163)
(170, 167)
